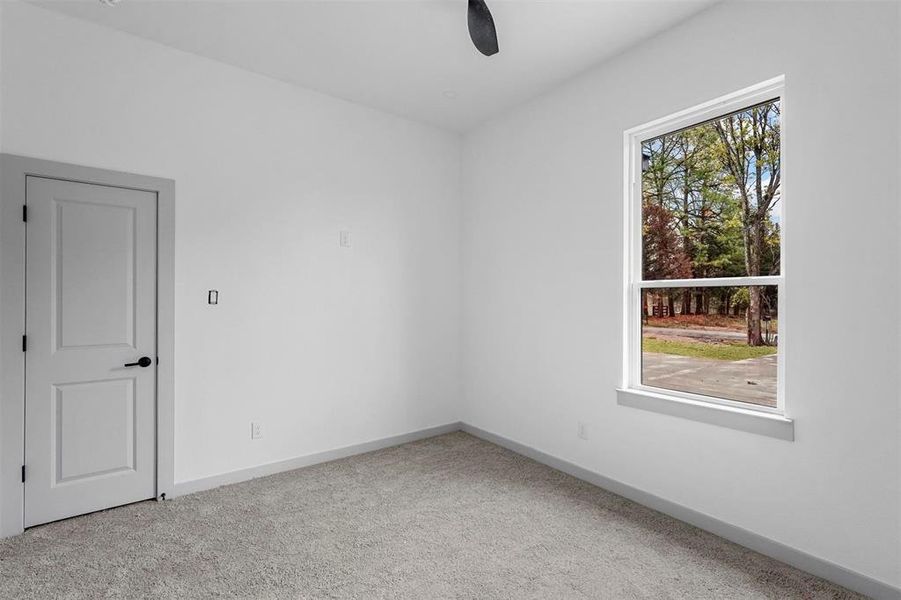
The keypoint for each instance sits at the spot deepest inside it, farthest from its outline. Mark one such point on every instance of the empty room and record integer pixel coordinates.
(450, 299)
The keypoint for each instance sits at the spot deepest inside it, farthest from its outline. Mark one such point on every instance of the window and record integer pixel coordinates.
(704, 278)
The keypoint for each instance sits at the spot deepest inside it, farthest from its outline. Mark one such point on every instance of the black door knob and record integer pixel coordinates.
(144, 361)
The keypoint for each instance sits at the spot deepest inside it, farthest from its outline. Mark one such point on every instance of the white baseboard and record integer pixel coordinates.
(214, 481)
(797, 558)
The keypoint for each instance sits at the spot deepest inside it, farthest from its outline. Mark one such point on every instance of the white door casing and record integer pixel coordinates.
(90, 421)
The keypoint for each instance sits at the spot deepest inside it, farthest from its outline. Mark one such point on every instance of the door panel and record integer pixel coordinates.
(82, 409)
(95, 243)
(90, 433)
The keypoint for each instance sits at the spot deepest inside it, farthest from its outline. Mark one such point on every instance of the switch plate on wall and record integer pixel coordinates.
(256, 430)
(344, 239)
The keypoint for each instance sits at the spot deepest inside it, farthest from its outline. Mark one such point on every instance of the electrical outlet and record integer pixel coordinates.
(582, 431)
(256, 430)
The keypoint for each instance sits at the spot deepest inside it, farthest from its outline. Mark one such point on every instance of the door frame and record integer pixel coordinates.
(13, 173)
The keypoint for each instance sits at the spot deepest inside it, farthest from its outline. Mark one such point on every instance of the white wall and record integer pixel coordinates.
(326, 346)
(542, 261)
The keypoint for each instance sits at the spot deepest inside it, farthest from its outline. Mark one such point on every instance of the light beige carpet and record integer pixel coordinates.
(447, 517)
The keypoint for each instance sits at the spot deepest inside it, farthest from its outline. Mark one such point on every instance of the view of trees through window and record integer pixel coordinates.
(711, 208)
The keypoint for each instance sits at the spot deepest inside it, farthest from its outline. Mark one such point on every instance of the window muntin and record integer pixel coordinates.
(705, 264)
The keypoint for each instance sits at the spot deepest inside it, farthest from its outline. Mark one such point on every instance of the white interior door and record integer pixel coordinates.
(90, 421)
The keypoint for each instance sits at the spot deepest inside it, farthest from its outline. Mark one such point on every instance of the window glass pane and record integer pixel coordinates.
(713, 341)
(711, 200)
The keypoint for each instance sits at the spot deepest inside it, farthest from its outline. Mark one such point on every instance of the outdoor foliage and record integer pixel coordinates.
(710, 197)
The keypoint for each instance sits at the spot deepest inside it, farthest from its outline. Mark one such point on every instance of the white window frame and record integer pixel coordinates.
(633, 282)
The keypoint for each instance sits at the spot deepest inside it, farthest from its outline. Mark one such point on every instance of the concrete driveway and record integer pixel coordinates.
(751, 380)
(697, 333)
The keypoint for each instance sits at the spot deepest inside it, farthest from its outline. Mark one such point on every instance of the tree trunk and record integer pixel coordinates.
(755, 338)
(755, 252)
(686, 301)
(672, 307)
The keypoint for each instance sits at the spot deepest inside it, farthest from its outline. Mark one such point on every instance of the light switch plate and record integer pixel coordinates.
(256, 430)
(344, 239)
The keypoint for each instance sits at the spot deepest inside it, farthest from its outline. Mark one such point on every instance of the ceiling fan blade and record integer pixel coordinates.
(481, 27)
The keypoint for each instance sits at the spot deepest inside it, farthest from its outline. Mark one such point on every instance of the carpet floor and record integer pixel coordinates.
(447, 517)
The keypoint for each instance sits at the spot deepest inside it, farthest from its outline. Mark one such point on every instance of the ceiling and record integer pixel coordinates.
(412, 58)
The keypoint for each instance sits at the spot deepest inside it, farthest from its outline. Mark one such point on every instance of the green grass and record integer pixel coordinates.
(701, 350)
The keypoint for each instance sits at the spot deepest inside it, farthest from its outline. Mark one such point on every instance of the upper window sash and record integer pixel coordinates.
(709, 111)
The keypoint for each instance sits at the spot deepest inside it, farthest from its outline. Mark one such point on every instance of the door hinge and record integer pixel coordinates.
(23, 473)
(25, 213)
(24, 343)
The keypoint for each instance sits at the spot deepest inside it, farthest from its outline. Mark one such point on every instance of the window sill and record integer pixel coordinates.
(750, 421)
